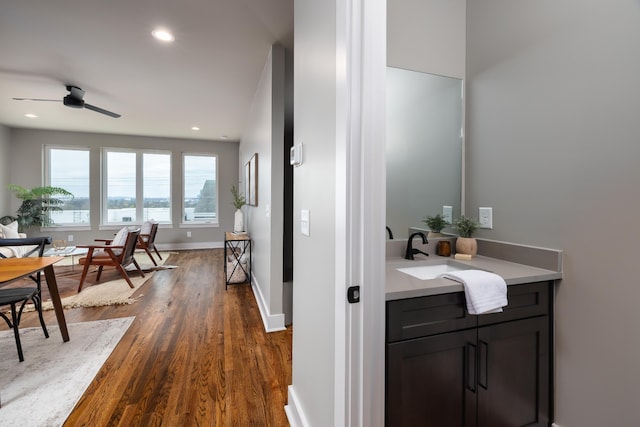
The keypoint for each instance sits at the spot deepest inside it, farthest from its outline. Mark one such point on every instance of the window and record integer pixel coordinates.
(75, 210)
(200, 203)
(136, 186)
(156, 172)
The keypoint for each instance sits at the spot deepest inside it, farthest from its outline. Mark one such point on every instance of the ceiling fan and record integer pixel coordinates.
(75, 100)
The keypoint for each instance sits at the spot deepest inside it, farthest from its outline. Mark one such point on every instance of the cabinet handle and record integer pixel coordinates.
(470, 368)
(483, 364)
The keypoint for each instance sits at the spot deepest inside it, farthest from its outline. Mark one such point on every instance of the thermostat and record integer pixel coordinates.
(295, 155)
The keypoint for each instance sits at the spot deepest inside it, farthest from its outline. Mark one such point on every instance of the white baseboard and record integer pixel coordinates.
(272, 322)
(294, 411)
(188, 246)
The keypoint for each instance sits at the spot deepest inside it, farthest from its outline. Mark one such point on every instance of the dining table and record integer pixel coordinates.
(12, 269)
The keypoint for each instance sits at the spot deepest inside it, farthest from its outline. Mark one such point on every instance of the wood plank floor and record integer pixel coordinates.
(196, 355)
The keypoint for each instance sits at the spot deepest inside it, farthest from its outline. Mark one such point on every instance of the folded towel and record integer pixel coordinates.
(485, 292)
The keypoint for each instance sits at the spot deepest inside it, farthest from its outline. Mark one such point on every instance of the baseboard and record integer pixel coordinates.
(294, 411)
(189, 246)
(272, 322)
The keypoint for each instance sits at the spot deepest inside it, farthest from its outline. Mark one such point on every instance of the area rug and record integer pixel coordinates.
(44, 389)
(107, 292)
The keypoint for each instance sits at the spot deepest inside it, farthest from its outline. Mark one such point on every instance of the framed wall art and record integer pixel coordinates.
(251, 180)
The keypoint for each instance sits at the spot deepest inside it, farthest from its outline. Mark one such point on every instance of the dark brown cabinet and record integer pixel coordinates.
(448, 368)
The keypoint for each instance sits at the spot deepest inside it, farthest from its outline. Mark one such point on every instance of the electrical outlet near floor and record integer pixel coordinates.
(486, 217)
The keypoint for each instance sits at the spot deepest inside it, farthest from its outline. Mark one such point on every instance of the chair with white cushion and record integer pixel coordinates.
(147, 238)
(117, 253)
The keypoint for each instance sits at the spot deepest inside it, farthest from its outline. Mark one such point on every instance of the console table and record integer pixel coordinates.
(237, 258)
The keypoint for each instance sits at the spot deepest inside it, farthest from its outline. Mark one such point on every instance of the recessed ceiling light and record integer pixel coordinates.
(195, 128)
(31, 116)
(224, 137)
(163, 35)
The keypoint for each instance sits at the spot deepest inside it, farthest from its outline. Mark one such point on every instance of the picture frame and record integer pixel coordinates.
(251, 180)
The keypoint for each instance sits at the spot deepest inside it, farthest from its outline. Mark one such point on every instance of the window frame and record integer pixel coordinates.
(139, 186)
(201, 223)
(47, 182)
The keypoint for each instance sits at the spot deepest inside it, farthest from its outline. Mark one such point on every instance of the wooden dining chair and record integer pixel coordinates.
(117, 252)
(17, 298)
(146, 239)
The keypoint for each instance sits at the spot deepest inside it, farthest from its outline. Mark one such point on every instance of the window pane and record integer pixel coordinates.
(121, 187)
(157, 187)
(73, 179)
(200, 189)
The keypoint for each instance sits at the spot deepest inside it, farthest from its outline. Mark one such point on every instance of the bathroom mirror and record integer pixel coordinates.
(424, 147)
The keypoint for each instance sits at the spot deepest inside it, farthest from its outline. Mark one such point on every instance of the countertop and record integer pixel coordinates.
(400, 285)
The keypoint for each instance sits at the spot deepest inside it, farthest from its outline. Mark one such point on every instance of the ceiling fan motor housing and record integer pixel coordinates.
(70, 101)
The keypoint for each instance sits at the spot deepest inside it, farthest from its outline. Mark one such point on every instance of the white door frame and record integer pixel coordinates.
(360, 212)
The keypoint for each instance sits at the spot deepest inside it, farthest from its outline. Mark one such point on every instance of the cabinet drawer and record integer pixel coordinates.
(528, 300)
(422, 316)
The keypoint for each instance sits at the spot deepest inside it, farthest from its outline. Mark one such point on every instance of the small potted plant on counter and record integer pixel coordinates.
(466, 243)
(436, 224)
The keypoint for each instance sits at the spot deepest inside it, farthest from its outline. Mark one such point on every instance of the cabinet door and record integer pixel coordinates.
(513, 374)
(431, 381)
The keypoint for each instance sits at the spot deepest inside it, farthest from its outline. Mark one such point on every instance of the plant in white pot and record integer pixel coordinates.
(238, 201)
(466, 243)
(435, 223)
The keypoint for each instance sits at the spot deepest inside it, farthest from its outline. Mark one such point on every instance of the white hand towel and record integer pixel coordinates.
(485, 292)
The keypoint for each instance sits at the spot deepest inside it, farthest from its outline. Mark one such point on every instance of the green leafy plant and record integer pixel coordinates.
(466, 226)
(435, 223)
(238, 198)
(37, 203)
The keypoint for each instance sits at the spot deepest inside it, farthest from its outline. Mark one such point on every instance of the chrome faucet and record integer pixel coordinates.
(410, 250)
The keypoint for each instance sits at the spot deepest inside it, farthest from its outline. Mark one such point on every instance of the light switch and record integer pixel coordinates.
(447, 213)
(304, 222)
(486, 217)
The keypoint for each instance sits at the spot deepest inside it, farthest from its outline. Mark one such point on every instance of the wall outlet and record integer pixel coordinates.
(188, 234)
(447, 214)
(486, 217)
(70, 238)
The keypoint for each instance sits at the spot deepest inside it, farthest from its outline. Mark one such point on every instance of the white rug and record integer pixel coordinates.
(44, 389)
(113, 292)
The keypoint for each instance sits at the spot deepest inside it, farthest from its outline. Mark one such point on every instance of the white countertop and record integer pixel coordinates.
(400, 285)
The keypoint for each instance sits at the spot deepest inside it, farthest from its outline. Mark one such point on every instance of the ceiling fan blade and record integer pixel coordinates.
(36, 99)
(101, 110)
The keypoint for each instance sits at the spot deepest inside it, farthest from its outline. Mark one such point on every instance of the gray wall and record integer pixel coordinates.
(427, 35)
(264, 135)
(26, 170)
(552, 146)
(5, 176)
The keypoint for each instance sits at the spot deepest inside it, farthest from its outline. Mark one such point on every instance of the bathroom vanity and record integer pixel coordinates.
(445, 367)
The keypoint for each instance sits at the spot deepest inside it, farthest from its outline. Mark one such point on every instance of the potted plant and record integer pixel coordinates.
(37, 203)
(466, 243)
(435, 223)
(238, 201)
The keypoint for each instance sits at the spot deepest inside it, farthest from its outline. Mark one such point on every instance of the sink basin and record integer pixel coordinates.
(426, 272)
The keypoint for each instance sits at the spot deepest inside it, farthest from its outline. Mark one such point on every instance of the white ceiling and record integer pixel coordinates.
(206, 78)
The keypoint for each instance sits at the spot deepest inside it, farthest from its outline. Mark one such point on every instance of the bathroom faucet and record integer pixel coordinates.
(410, 250)
(389, 233)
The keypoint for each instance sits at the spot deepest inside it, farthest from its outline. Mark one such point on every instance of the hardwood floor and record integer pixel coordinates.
(196, 355)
